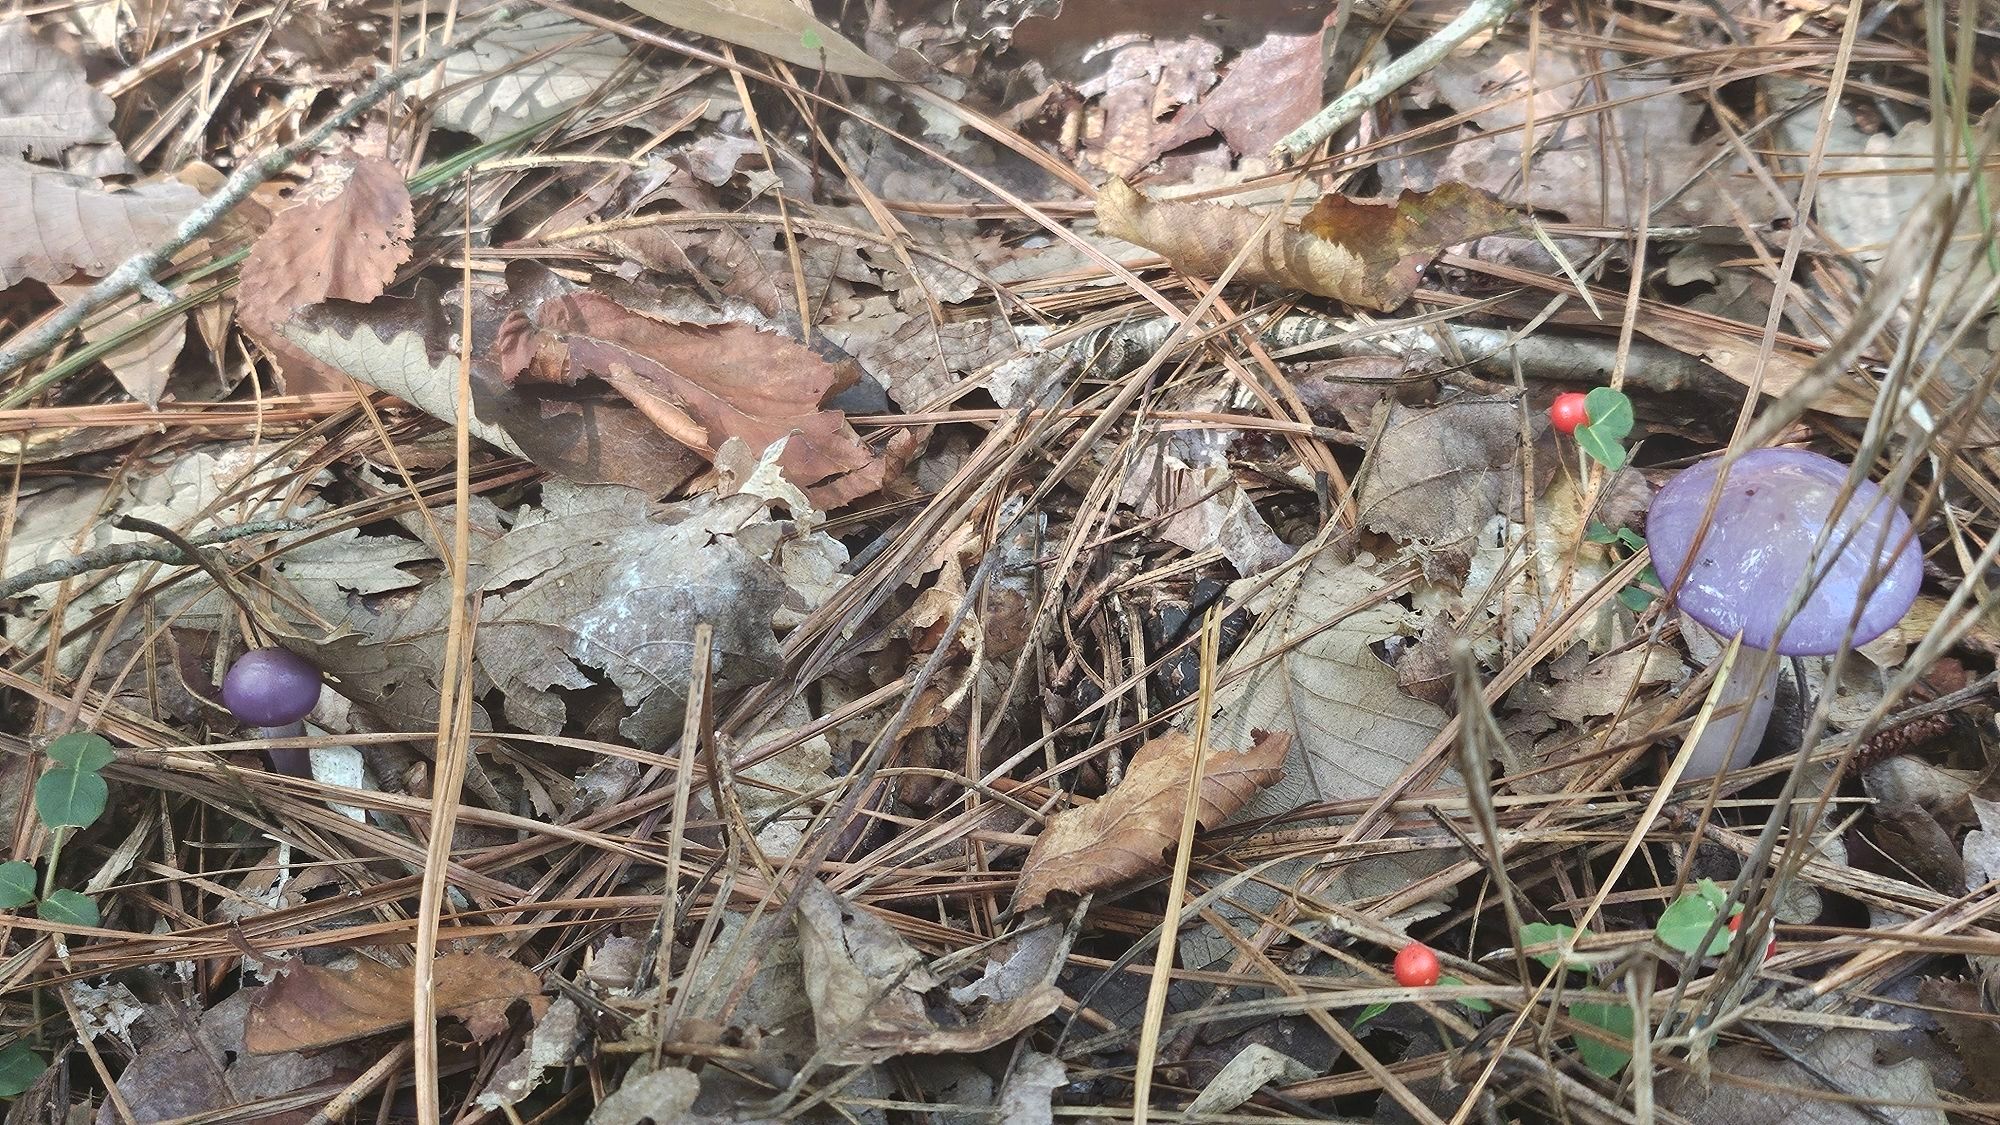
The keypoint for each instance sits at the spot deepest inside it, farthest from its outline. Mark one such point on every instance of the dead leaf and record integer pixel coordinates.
(1365, 253)
(1603, 141)
(192, 1062)
(1126, 834)
(1247, 1072)
(1737, 358)
(1600, 689)
(1439, 473)
(705, 384)
(1028, 1097)
(345, 241)
(1354, 730)
(47, 105)
(142, 364)
(59, 225)
(406, 348)
(1267, 92)
(1959, 1010)
(1786, 1094)
(536, 66)
(553, 1042)
(872, 998)
(778, 28)
(311, 1006)
(1145, 82)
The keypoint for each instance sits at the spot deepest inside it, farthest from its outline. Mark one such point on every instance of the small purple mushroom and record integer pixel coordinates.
(273, 690)
(1769, 518)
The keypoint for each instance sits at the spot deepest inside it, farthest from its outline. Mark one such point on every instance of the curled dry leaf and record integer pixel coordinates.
(312, 1007)
(1125, 835)
(704, 384)
(1365, 253)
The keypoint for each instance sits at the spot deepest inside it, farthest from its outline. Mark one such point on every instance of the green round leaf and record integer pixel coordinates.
(1687, 920)
(1604, 449)
(1610, 412)
(810, 40)
(81, 750)
(1602, 1057)
(70, 798)
(17, 884)
(19, 1067)
(1469, 1003)
(68, 908)
(1543, 933)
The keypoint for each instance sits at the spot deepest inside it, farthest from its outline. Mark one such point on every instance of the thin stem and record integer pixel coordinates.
(1481, 15)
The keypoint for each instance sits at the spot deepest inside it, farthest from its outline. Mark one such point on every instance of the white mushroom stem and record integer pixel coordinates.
(1740, 710)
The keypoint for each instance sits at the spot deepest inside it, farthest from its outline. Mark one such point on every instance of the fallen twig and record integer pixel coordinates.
(119, 554)
(1481, 15)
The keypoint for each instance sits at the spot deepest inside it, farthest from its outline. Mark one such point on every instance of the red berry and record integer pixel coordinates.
(1416, 966)
(1736, 924)
(1568, 412)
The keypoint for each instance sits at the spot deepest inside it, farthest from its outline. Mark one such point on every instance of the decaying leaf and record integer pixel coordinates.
(406, 348)
(552, 1043)
(704, 384)
(1145, 81)
(312, 1007)
(873, 999)
(343, 241)
(537, 66)
(1312, 674)
(46, 103)
(193, 1062)
(141, 364)
(1603, 140)
(1785, 1093)
(1126, 834)
(1268, 91)
(1365, 253)
(776, 27)
(60, 225)
(1438, 473)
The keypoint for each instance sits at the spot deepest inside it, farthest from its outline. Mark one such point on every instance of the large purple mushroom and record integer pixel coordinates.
(1763, 540)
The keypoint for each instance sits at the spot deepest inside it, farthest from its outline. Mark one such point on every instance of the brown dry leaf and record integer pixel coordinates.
(873, 999)
(1146, 81)
(1604, 141)
(778, 28)
(1126, 834)
(1439, 473)
(54, 225)
(1268, 91)
(344, 243)
(405, 348)
(142, 364)
(705, 384)
(46, 103)
(1365, 253)
(311, 1006)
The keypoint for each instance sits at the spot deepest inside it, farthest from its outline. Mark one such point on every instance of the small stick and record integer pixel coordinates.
(1478, 16)
(119, 554)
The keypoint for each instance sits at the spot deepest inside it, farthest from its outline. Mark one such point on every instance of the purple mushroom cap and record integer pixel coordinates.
(1760, 543)
(270, 687)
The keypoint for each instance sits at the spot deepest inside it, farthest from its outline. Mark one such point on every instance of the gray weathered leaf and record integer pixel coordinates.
(776, 27)
(529, 71)
(58, 225)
